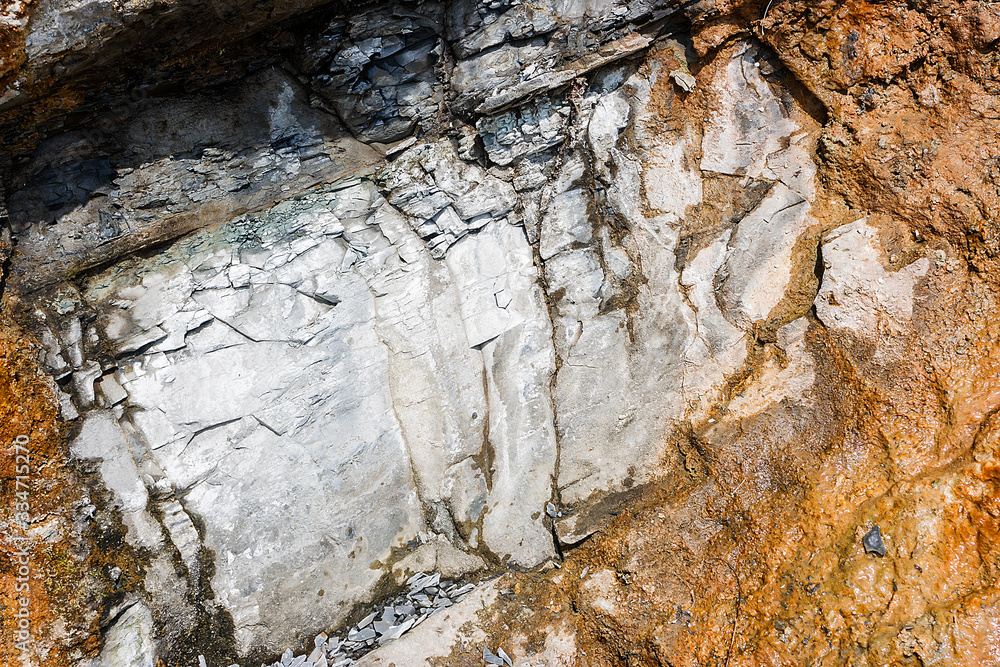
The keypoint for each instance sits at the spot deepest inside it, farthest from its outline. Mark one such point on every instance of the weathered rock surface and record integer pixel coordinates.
(473, 286)
(240, 150)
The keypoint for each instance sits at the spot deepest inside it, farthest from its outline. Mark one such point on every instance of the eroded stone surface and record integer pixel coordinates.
(449, 284)
(393, 344)
(130, 639)
(240, 151)
(858, 293)
(644, 346)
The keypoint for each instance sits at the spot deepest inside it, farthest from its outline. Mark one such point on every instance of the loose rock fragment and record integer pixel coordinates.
(872, 542)
(490, 658)
(685, 81)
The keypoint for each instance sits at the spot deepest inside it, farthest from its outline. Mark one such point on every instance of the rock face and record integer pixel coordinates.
(334, 294)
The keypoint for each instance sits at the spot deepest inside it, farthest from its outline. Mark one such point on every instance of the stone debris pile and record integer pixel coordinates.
(427, 595)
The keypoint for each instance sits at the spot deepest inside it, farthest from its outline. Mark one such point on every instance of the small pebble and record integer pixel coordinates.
(872, 542)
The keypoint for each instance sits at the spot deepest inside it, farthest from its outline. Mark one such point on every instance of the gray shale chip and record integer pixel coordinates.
(872, 542)
(490, 658)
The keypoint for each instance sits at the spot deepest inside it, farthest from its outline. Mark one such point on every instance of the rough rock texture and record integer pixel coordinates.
(684, 298)
(79, 562)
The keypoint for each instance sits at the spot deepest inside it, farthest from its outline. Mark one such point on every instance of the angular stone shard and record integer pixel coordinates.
(872, 542)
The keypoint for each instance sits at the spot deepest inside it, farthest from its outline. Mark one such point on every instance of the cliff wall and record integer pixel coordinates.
(680, 316)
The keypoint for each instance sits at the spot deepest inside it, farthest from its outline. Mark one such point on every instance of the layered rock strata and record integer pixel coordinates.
(500, 285)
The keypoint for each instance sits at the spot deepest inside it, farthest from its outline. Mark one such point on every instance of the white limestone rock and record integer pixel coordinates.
(776, 382)
(626, 376)
(318, 382)
(610, 116)
(438, 556)
(435, 375)
(748, 121)
(567, 216)
(758, 265)
(291, 413)
(716, 338)
(483, 271)
(671, 182)
(519, 366)
(183, 534)
(101, 437)
(129, 640)
(444, 198)
(858, 293)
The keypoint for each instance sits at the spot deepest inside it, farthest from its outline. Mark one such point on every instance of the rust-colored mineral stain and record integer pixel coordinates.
(13, 33)
(54, 562)
(758, 560)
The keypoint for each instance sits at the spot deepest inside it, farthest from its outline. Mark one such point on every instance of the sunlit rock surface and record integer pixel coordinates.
(654, 308)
